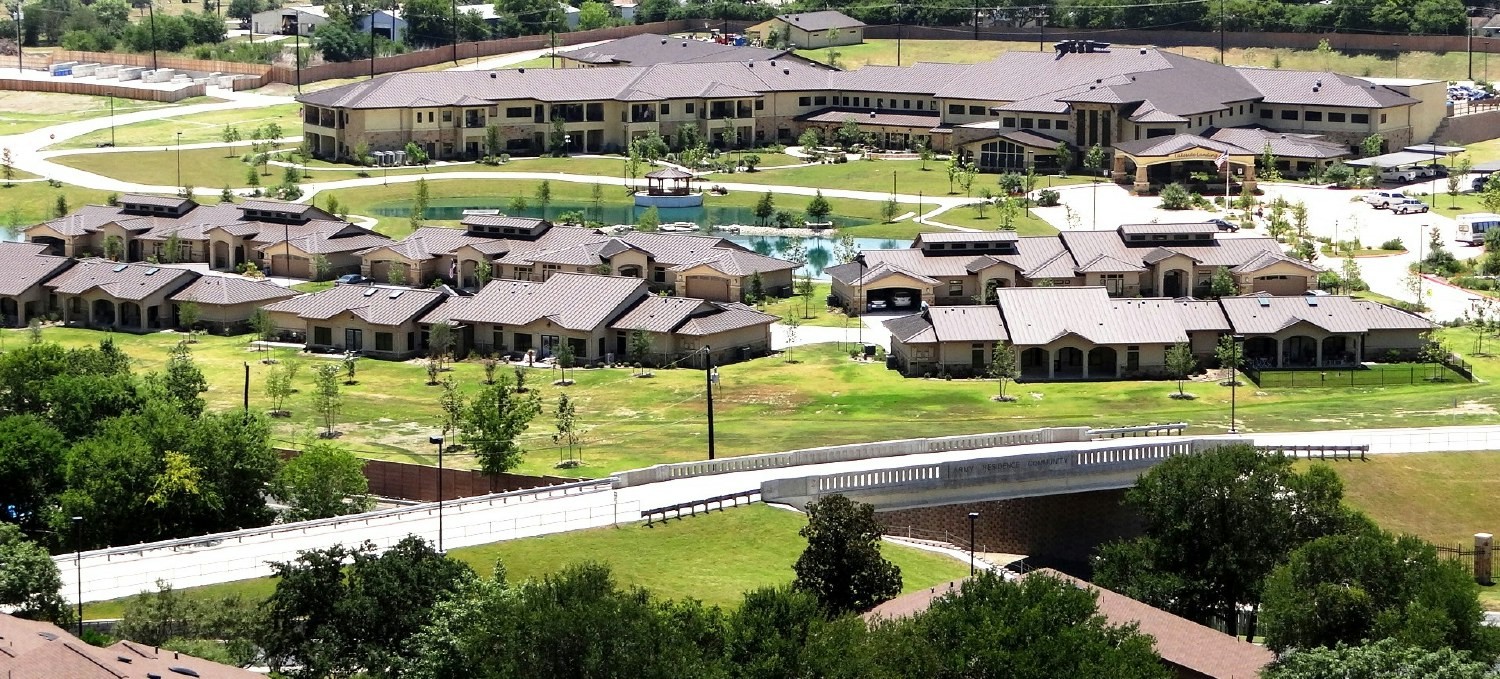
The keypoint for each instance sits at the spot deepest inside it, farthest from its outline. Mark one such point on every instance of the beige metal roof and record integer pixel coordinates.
(230, 290)
(874, 118)
(121, 281)
(731, 316)
(23, 266)
(964, 237)
(1312, 88)
(571, 300)
(659, 314)
(650, 48)
(1037, 316)
(1262, 314)
(821, 20)
(1226, 252)
(967, 323)
(913, 329)
(1175, 228)
(376, 305)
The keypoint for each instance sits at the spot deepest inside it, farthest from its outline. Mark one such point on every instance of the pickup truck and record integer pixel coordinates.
(1380, 199)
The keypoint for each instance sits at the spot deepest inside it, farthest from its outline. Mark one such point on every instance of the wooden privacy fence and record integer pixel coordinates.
(406, 481)
(69, 86)
(1303, 41)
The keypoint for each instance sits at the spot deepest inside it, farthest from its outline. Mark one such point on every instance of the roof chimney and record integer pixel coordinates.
(663, 41)
(786, 71)
(492, 75)
(523, 70)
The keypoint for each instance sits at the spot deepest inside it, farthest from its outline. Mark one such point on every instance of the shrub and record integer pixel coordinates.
(1175, 197)
(1393, 244)
(1012, 183)
(1048, 198)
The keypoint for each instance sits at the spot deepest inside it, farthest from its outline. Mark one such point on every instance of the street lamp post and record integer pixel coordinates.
(860, 293)
(1396, 48)
(111, 120)
(438, 441)
(710, 377)
(78, 568)
(973, 516)
(179, 160)
(1234, 379)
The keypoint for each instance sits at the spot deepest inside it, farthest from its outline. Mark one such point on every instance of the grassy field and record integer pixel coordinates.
(1439, 66)
(711, 557)
(203, 168)
(364, 200)
(26, 111)
(821, 314)
(1026, 223)
(1444, 498)
(195, 129)
(25, 204)
(769, 405)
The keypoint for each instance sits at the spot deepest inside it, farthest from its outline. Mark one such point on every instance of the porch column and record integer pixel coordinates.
(1117, 174)
(1050, 365)
(1249, 182)
(1278, 353)
(1320, 353)
(1085, 365)
(1142, 184)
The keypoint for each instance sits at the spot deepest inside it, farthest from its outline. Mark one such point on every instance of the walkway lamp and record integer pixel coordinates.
(1234, 379)
(438, 441)
(179, 161)
(710, 378)
(860, 293)
(78, 568)
(973, 516)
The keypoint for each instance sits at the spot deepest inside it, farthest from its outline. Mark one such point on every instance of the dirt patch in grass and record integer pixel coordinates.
(45, 102)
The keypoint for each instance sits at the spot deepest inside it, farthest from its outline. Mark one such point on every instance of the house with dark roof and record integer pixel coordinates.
(99, 293)
(286, 239)
(1187, 649)
(377, 321)
(811, 30)
(24, 267)
(682, 330)
(40, 650)
(226, 303)
(1083, 333)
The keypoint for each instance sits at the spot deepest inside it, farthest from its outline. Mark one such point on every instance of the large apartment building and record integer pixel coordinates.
(1007, 113)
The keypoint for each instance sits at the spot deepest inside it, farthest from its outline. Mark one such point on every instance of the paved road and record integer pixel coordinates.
(221, 560)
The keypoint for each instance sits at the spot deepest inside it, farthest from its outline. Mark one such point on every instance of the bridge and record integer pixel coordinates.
(979, 467)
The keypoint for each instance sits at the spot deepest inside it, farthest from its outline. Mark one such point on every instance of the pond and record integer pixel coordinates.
(609, 214)
(820, 251)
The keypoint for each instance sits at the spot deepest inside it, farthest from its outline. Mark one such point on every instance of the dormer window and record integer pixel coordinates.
(937, 246)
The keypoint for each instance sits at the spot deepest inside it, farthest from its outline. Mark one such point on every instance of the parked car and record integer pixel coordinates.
(1398, 176)
(877, 305)
(1408, 206)
(1380, 199)
(1477, 183)
(351, 279)
(1224, 226)
(901, 299)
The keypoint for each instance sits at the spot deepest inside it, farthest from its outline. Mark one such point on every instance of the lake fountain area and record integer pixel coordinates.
(669, 187)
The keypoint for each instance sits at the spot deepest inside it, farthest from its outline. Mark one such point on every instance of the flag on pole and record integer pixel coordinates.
(1222, 160)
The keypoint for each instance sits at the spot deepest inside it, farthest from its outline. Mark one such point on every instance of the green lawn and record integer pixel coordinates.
(815, 312)
(26, 111)
(1026, 223)
(195, 129)
(1435, 65)
(203, 168)
(313, 286)
(1444, 498)
(711, 557)
(22, 205)
(768, 405)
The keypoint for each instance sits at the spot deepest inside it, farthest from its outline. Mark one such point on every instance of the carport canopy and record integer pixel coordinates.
(1397, 159)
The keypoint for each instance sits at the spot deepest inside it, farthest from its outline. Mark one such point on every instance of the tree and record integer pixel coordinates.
(419, 202)
(1094, 161)
(1174, 196)
(326, 398)
(792, 323)
(925, 154)
(809, 140)
(395, 273)
(757, 292)
(750, 161)
(805, 291)
(1004, 367)
(252, 178)
(1222, 284)
(1064, 155)
(842, 565)
(493, 423)
(33, 454)
(1464, 166)
(954, 167)
(1379, 660)
(1008, 211)
(440, 342)
(60, 206)
(8, 167)
(1214, 526)
(326, 619)
(451, 401)
(544, 196)
(765, 206)
(966, 175)
(640, 345)
(1052, 628)
(262, 327)
(184, 382)
(278, 389)
(889, 210)
(592, 15)
(845, 249)
(483, 272)
(779, 632)
(1373, 585)
(649, 221)
(29, 581)
(350, 365)
(818, 208)
(1268, 169)
(325, 480)
(187, 315)
(1180, 363)
(1230, 356)
(230, 136)
(564, 358)
(566, 422)
(213, 628)
(1372, 145)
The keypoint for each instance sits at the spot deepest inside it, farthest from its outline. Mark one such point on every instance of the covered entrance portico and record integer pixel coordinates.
(1304, 347)
(1176, 157)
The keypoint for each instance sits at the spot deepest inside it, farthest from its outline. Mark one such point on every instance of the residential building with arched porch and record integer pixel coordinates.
(100, 294)
(22, 296)
(1322, 331)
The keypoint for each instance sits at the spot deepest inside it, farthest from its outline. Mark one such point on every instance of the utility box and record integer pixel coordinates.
(1483, 550)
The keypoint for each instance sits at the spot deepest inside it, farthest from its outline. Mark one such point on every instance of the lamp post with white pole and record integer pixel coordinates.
(438, 441)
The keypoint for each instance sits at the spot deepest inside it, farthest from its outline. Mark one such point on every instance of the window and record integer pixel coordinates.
(1266, 113)
(447, 117)
(976, 110)
(867, 102)
(1028, 123)
(1335, 117)
(517, 111)
(1359, 118)
(905, 103)
(955, 288)
(1289, 114)
(688, 107)
(666, 109)
(1062, 124)
(1313, 116)
(1382, 119)
(659, 274)
(1001, 155)
(818, 101)
(322, 335)
(760, 104)
(385, 341)
(919, 105)
(1242, 109)
(955, 109)
(804, 101)
(1043, 124)
(594, 112)
(879, 103)
(1008, 122)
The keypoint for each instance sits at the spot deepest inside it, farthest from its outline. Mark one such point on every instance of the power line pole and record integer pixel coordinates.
(372, 43)
(976, 19)
(455, 32)
(1221, 32)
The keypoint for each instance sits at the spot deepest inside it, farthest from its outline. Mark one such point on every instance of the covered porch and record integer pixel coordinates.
(1149, 163)
(1071, 363)
(1303, 348)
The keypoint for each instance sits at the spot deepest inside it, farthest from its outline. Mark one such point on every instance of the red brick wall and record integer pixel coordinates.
(405, 481)
(1054, 527)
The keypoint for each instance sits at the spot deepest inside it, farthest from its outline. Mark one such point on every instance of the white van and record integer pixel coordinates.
(1472, 227)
